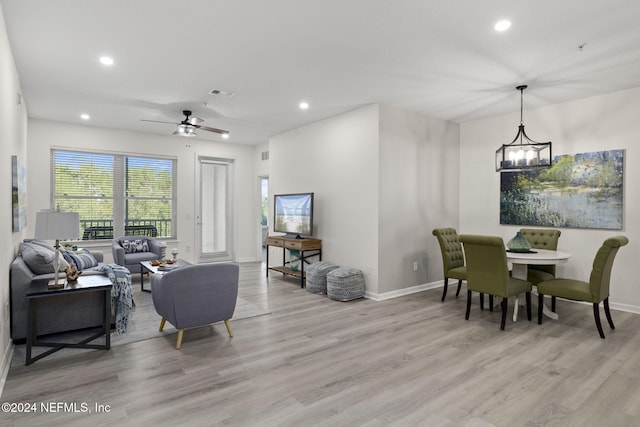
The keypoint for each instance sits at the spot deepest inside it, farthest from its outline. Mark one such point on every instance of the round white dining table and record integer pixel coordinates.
(521, 261)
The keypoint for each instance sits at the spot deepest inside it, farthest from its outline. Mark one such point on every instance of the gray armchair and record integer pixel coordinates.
(196, 295)
(129, 254)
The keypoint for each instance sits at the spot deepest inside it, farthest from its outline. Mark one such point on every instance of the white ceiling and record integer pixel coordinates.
(437, 57)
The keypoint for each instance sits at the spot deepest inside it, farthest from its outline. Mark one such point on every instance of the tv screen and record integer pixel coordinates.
(293, 214)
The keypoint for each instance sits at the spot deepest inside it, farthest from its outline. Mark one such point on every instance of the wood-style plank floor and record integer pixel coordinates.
(410, 361)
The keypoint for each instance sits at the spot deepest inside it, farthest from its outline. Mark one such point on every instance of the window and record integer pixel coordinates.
(115, 194)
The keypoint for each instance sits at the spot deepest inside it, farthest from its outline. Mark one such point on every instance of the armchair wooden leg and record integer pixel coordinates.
(490, 302)
(162, 322)
(528, 296)
(596, 315)
(481, 301)
(553, 304)
(444, 290)
(459, 287)
(179, 342)
(228, 325)
(608, 313)
(468, 305)
(540, 304)
(504, 304)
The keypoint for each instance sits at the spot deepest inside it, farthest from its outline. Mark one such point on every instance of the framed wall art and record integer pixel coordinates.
(18, 194)
(579, 191)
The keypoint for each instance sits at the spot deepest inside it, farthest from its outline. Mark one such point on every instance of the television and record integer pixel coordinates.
(293, 214)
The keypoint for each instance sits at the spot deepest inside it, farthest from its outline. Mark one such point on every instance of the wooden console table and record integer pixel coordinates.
(302, 245)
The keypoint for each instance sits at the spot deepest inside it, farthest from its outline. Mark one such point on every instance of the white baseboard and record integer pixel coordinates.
(439, 284)
(404, 291)
(6, 365)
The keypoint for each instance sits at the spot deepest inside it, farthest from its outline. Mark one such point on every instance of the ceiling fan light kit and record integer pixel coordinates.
(185, 130)
(523, 153)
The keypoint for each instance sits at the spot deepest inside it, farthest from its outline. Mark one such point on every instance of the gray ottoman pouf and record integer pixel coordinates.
(345, 284)
(316, 276)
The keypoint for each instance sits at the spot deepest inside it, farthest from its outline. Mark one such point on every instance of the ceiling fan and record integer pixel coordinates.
(188, 126)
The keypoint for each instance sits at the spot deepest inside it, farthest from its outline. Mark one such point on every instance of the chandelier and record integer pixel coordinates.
(523, 153)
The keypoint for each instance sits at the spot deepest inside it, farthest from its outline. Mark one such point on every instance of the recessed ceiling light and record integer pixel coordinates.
(503, 25)
(225, 135)
(85, 116)
(303, 105)
(106, 60)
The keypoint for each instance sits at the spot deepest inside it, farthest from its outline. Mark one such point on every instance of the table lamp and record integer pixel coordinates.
(56, 225)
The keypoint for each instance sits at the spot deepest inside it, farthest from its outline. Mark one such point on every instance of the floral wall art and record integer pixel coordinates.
(579, 191)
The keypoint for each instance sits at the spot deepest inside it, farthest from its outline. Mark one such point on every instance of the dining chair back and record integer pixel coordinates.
(541, 238)
(488, 272)
(593, 291)
(452, 257)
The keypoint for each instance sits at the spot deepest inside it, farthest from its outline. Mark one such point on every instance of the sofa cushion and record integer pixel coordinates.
(62, 263)
(82, 258)
(133, 246)
(40, 258)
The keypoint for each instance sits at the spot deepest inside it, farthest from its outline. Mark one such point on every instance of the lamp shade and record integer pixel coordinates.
(56, 225)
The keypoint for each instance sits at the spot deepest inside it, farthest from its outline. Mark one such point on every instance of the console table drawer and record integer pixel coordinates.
(274, 241)
(293, 244)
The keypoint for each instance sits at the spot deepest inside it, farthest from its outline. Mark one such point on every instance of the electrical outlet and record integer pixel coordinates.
(415, 265)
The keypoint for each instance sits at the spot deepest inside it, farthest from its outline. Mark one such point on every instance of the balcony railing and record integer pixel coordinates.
(102, 229)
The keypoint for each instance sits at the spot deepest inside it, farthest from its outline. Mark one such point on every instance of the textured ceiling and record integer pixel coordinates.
(441, 58)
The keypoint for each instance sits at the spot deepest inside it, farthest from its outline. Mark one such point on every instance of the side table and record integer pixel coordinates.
(40, 291)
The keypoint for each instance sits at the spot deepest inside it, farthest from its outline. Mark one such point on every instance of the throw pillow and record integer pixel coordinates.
(62, 262)
(39, 258)
(82, 258)
(132, 246)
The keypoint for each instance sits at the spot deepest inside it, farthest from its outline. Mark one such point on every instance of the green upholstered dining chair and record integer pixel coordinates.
(452, 257)
(593, 291)
(488, 272)
(541, 238)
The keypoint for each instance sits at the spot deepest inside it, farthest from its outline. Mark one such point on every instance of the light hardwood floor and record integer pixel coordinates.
(410, 361)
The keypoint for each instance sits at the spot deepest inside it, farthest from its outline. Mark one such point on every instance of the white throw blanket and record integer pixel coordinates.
(122, 304)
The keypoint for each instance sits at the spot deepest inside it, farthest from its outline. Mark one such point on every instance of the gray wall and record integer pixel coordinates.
(604, 122)
(383, 178)
(13, 137)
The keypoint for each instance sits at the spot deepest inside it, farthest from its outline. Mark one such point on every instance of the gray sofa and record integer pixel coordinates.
(81, 310)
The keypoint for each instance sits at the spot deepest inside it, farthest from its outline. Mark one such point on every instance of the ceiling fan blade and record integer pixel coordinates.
(157, 121)
(220, 131)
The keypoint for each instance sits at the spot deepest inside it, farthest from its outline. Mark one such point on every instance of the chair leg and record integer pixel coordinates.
(540, 303)
(444, 290)
(481, 301)
(596, 315)
(504, 304)
(459, 287)
(162, 322)
(608, 313)
(490, 302)
(468, 305)
(179, 342)
(528, 296)
(228, 325)
(553, 304)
